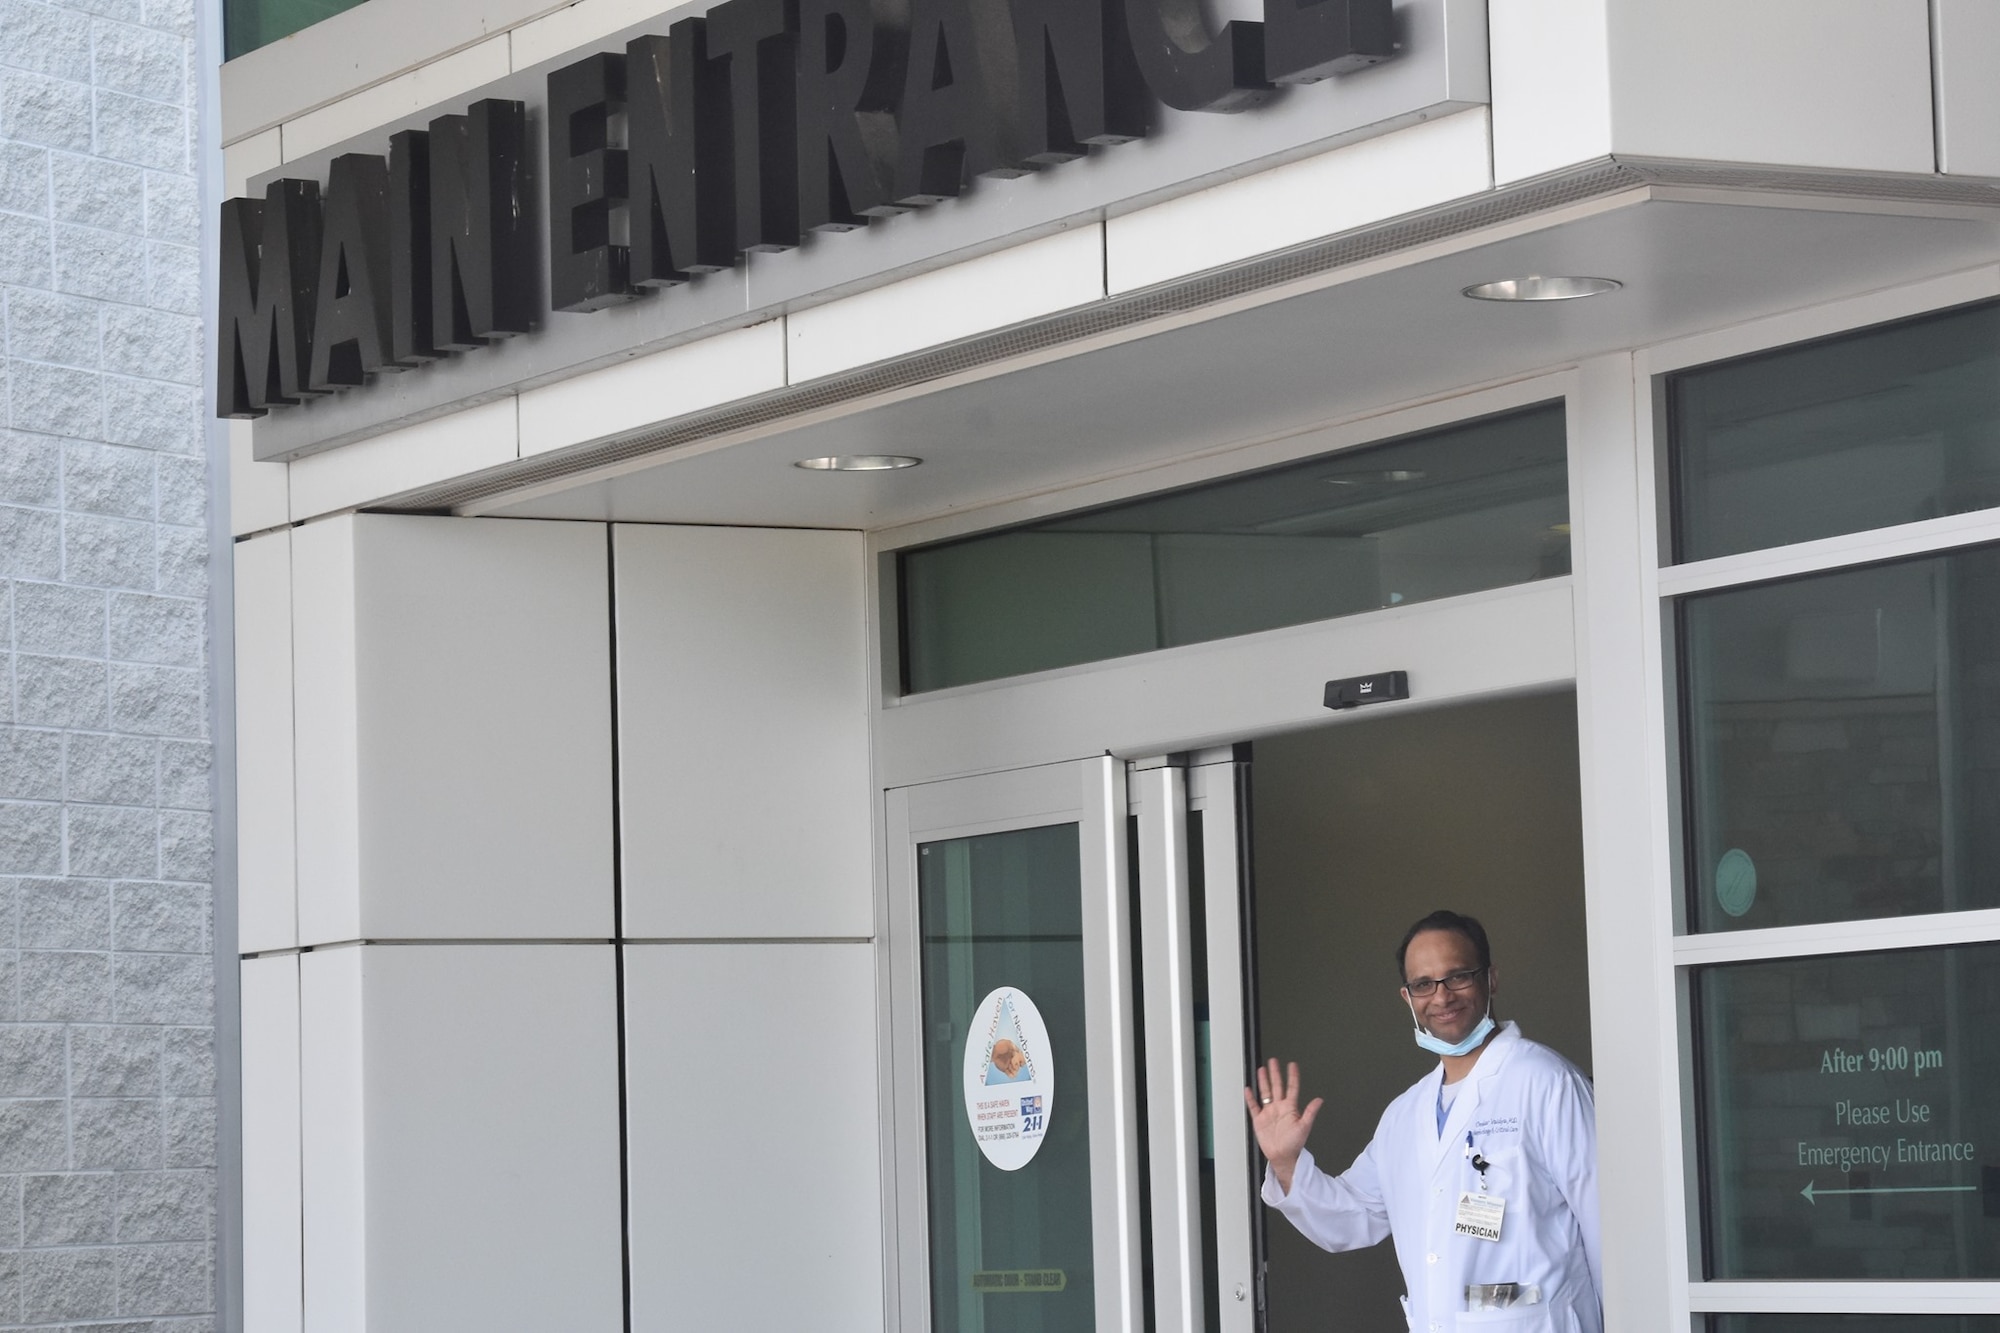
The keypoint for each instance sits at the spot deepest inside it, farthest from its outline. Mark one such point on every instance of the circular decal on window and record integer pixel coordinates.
(1010, 1078)
(1736, 881)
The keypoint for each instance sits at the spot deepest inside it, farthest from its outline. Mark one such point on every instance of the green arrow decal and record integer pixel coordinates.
(1810, 1192)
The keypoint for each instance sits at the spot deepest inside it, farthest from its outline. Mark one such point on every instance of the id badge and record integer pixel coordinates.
(1479, 1216)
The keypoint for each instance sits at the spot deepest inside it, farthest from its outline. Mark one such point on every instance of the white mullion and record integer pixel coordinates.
(1677, 1148)
(1839, 937)
(1166, 991)
(1108, 1002)
(1837, 1297)
(1830, 553)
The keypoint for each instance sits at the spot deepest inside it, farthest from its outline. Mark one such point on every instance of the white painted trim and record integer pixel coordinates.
(1829, 1297)
(1213, 790)
(1673, 1052)
(1233, 689)
(1114, 1136)
(659, 386)
(1828, 553)
(391, 100)
(1159, 798)
(431, 451)
(1402, 172)
(1821, 321)
(899, 319)
(1837, 937)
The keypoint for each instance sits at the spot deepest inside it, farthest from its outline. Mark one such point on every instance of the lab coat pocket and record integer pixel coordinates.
(1518, 1319)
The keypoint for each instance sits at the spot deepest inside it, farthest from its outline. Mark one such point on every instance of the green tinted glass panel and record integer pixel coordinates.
(249, 24)
(1010, 1249)
(1855, 1323)
(1843, 744)
(1480, 505)
(1885, 426)
(1850, 1115)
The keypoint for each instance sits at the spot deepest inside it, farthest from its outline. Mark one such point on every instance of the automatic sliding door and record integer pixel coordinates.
(1016, 1135)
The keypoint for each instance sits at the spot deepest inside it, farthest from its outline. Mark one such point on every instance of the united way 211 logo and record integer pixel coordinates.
(1010, 1078)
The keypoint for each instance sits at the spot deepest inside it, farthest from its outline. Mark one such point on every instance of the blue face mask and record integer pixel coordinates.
(1439, 1046)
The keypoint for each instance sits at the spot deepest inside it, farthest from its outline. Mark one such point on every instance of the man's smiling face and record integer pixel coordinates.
(1446, 1013)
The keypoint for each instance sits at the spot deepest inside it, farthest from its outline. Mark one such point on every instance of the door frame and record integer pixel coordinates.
(1007, 754)
(1092, 794)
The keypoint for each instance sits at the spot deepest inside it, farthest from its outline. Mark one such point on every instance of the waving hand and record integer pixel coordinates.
(1280, 1125)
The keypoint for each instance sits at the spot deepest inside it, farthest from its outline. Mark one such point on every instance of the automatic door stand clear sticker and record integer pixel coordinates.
(1010, 1078)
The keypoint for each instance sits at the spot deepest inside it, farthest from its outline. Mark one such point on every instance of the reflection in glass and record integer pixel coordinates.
(1843, 744)
(249, 24)
(1006, 909)
(1870, 1080)
(1478, 505)
(1885, 426)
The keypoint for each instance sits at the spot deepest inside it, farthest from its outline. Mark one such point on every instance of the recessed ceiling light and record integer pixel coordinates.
(1542, 289)
(858, 463)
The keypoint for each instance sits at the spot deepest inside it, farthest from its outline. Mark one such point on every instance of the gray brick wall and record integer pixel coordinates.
(107, 1073)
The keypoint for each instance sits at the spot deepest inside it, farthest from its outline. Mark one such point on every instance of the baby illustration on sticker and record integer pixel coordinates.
(1009, 1081)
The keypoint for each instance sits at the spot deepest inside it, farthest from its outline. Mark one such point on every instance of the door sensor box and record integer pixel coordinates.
(1357, 690)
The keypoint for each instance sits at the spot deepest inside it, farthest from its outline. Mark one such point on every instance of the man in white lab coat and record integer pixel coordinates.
(1485, 1172)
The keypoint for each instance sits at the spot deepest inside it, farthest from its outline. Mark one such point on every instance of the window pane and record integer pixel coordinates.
(249, 24)
(1006, 910)
(1479, 505)
(1843, 744)
(1870, 1080)
(1885, 426)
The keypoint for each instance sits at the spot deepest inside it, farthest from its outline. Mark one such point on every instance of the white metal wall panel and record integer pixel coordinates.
(743, 733)
(491, 1126)
(483, 685)
(1551, 85)
(273, 1209)
(1010, 286)
(260, 495)
(266, 888)
(325, 728)
(1809, 83)
(755, 1166)
(658, 387)
(331, 1148)
(399, 460)
(1365, 182)
(1967, 47)
(1622, 771)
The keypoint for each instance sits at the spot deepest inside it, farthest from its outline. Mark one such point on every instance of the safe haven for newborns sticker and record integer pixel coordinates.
(1010, 1078)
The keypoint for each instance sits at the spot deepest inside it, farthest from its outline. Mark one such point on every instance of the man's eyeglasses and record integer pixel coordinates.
(1419, 987)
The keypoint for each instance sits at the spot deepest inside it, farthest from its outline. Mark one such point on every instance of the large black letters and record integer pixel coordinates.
(410, 248)
(744, 131)
(587, 179)
(1079, 82)
(678, 158)
(482, 232)
(1309, 40)
(351, 337)
(850, 72)
(1191, 71)
(759, 41)
(270, 265)
(958, 99)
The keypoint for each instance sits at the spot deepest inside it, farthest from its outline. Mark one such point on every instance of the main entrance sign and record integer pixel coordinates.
(743, 131)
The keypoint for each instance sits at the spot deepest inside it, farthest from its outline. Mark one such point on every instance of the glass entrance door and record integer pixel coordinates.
(1016, 1144)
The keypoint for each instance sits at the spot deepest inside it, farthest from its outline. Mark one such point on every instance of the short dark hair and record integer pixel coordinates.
(1467, 926)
